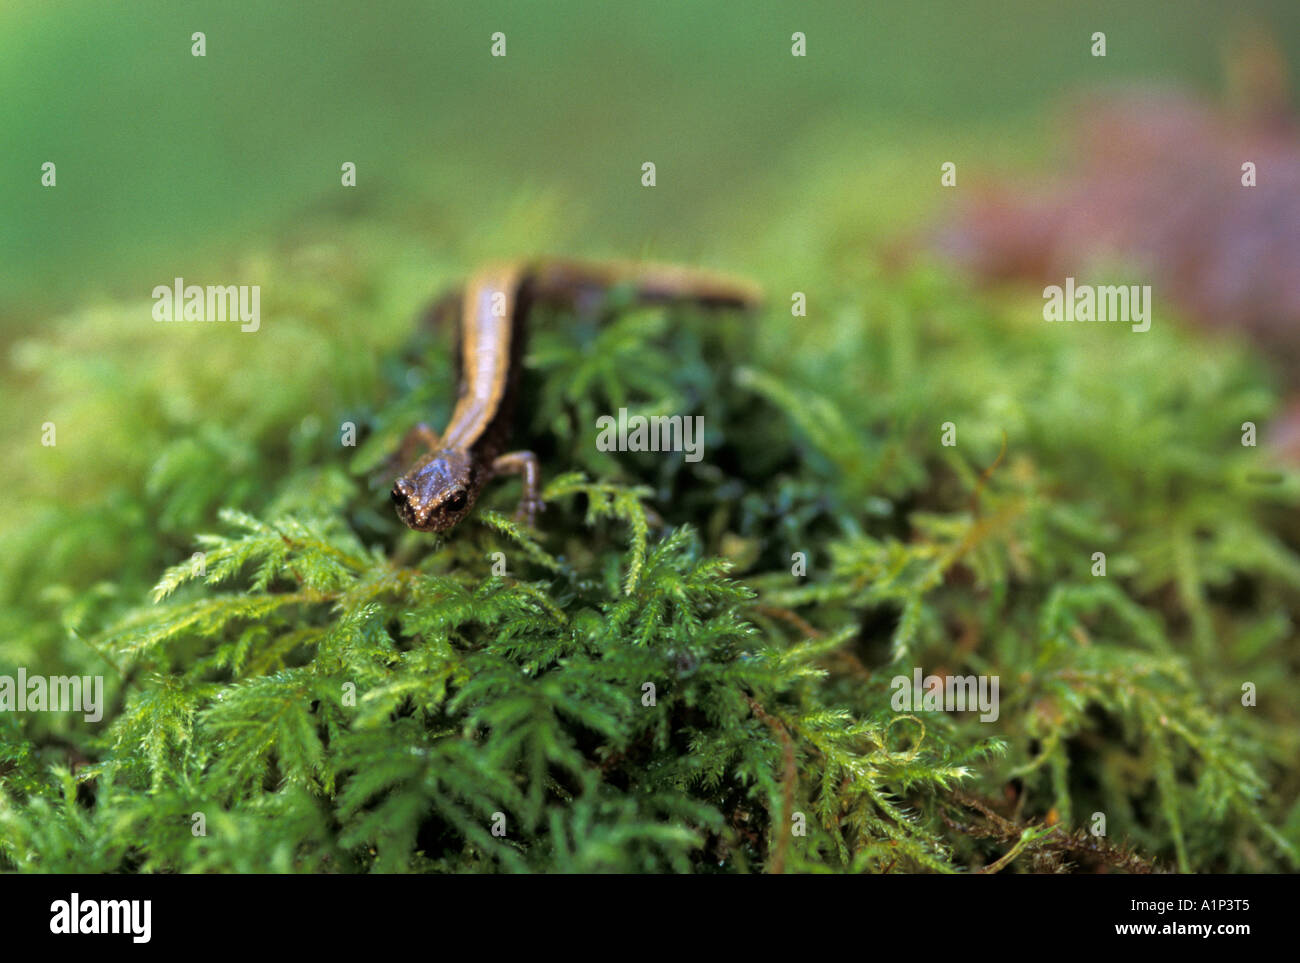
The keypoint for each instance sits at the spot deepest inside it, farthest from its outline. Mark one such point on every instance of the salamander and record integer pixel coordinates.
(443, 484)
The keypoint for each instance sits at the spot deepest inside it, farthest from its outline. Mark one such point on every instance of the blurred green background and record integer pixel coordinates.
(166, 161)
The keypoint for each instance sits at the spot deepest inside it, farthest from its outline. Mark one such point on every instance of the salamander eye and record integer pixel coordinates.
(456, 500)
(397, 497)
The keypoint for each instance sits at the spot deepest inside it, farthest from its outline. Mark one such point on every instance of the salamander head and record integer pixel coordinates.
(437, 493)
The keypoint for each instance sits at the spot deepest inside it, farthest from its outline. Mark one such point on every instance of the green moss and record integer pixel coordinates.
(230, 693)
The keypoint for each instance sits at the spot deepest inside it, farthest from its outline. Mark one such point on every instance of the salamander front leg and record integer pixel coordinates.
(419, 437)
(523, 464)
(414, 443)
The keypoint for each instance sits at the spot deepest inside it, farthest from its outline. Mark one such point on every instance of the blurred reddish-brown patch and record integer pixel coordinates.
(1152, 190)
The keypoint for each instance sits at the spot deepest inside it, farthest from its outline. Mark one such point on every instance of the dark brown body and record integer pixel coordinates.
(443, 485)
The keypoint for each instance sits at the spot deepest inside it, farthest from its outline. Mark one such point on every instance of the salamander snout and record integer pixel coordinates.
(435, 495)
